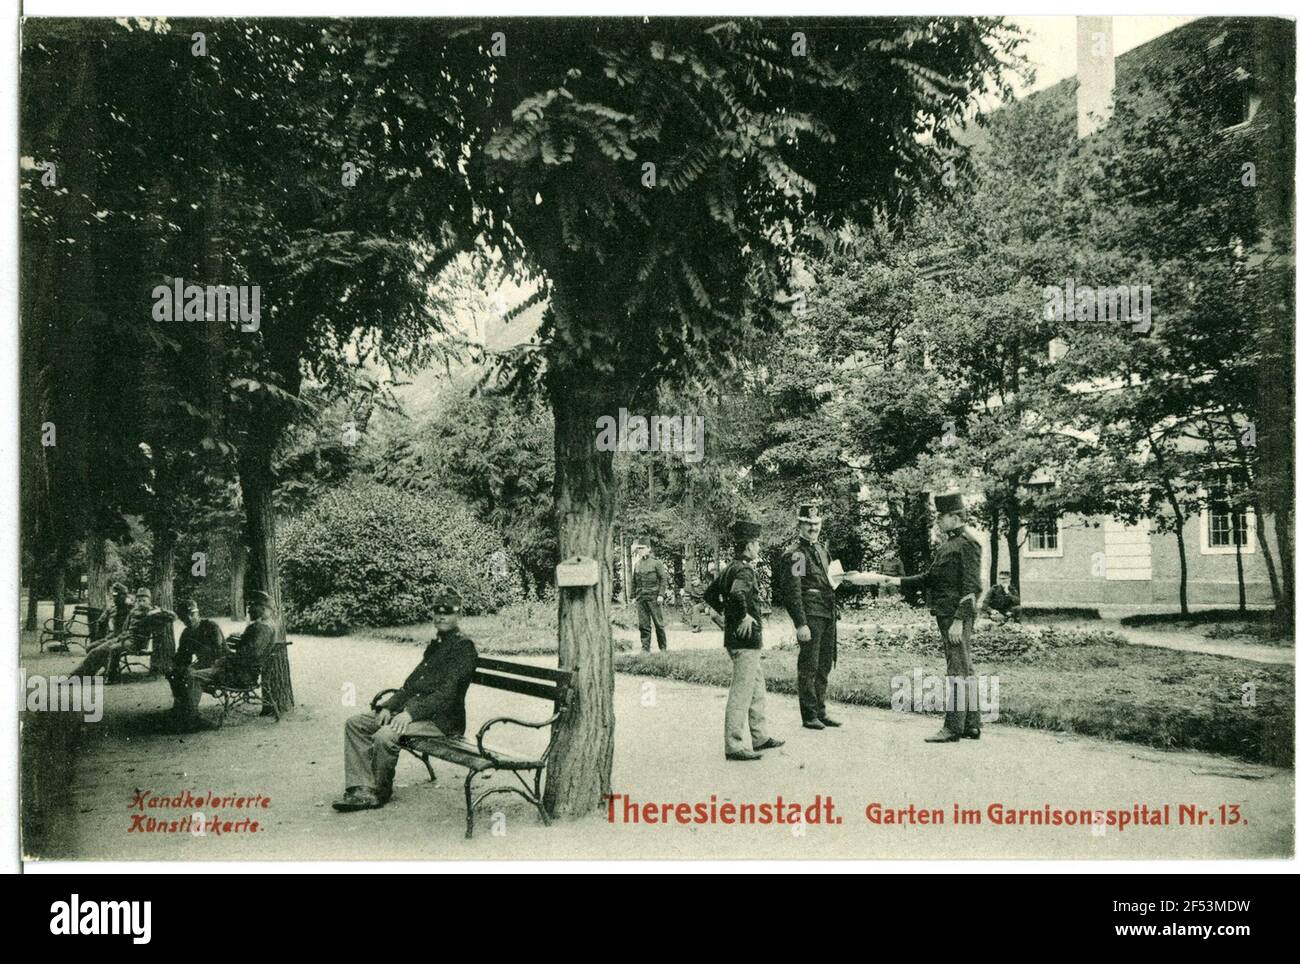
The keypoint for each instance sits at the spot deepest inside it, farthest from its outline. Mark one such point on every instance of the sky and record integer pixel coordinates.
(1050, 47)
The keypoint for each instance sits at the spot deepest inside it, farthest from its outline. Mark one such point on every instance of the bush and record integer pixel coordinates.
(992, 643)
(368, 555)
(1199, 618)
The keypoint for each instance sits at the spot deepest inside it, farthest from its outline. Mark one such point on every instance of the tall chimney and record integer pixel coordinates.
(1095, 46)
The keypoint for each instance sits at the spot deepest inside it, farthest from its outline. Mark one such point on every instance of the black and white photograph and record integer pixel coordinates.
(651, 435)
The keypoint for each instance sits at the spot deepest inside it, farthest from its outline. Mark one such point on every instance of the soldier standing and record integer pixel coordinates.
(734, 594)
(649, 583)
(810, 600)
(952, 586)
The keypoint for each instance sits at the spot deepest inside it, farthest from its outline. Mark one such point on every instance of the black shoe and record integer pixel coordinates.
(771, 743)
(814, 725)
(357, 798)
(970, 734)
(744, 756)
(827, 721)
(943, 736)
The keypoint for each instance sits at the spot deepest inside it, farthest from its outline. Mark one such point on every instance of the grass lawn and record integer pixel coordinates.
(1088, 683)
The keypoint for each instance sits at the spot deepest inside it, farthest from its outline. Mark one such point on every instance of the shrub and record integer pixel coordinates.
(369, 555)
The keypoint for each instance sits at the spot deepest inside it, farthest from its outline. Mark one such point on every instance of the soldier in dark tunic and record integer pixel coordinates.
(135, 636)
(113, 618)
(952, 585)
(430, 703)
(241, 663)
(202, 644)
(810, 600)
(1000, 603)
(649, 584)
(735, 595)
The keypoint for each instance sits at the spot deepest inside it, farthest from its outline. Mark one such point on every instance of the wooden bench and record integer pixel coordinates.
(232, 695)
(77, 631)
(553, 685)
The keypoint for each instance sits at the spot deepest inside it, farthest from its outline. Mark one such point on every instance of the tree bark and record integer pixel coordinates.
(994, 526)
(1013, 543)
(257, 484)
(164, 569)
(238, 570)
(96, 572)
(1241, 576)
(32, 602)
(579, 776)
(1283, 615)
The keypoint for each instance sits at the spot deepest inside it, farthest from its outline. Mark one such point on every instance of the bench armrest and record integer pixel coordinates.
(531, 724)
(378, 697)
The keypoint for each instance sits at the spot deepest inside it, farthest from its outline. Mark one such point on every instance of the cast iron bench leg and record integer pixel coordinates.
(469, 805)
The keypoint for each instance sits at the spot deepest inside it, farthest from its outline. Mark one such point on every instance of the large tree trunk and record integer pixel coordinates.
(164, 569)
(994, 526)
(1013, 543)
(257, 484)
(579, 775)
(238, 570)
(96, 572)
(32, 602)
(1284, 613)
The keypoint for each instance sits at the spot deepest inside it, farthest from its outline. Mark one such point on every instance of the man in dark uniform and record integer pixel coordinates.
(430, 703)
(952, 586)
(649, 583)
(735, 595)
(241, 663)
(134, 636)
(699, 610)
(810, 600)
(1000, 603)
(113, 618)
(203, 644)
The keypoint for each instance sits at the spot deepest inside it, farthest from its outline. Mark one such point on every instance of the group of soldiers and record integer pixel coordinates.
(203, 656)
(954, 592)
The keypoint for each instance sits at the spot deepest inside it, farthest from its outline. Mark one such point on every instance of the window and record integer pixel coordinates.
(1043, 528)
(1224, 525)
(1045, 538)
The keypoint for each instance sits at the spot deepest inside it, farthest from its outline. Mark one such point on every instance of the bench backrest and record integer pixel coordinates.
(542, 682)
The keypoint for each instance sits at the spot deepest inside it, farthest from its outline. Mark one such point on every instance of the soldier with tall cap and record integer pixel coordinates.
(430, 703)
(952, 586)
(735, 595)
(809, 598)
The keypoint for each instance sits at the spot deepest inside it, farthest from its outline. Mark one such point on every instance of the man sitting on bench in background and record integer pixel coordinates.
(241, 664)
(202, 643)
(134, 636)
(430, 703)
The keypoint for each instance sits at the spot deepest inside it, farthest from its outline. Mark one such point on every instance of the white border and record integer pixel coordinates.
(9, 424)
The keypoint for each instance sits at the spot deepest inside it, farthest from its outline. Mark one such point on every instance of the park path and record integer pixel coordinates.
(667, 750)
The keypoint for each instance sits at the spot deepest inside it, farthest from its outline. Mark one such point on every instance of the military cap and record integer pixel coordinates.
(446, 603)
(809, 512)
(745, 531)
(191, 604)
(948, 502)
(260, 597)
(119, 589)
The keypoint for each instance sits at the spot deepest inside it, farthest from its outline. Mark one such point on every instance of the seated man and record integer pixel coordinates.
(999, 603)
(202, 643)
(241, 663)
(430, 703)
(134, 636)
(113, 618)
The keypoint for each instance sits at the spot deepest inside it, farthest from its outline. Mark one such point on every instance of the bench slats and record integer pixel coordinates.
(544, 691)
(524, 669)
